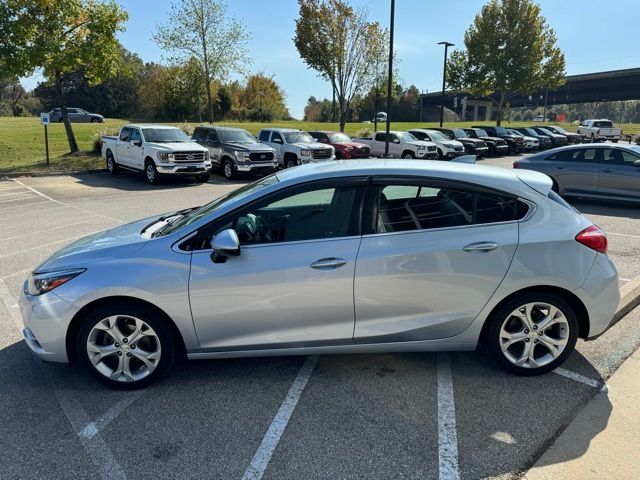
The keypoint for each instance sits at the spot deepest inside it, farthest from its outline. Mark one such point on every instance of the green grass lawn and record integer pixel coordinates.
(22, 139)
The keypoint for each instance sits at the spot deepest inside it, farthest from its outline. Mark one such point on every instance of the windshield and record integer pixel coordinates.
(501, 131)
(532, 132)
(515, 132)
(236, 136)
(339, 138)
(437, 136)
(547, 132)
(219, 203)
(406, 137)
(603, 124)
(164, 135)
(298, 137)
(481, 132)
(460, 133)
(560, 130)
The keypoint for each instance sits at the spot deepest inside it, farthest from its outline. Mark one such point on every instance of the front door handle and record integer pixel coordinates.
(481, 247)
(328, 263)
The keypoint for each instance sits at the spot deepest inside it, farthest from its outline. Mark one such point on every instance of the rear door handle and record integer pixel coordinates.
(481, 247)
(606, 170)
(328, 263)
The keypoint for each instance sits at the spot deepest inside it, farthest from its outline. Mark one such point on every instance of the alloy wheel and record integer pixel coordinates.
(228, 170)
(110, 165)
(534, 335)
(151, 173)
(123, 348)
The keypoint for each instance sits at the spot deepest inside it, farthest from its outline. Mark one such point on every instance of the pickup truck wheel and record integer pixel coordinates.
(227, 169)
(112, 166)
(291, 162)
(151, 173)
(408, 155)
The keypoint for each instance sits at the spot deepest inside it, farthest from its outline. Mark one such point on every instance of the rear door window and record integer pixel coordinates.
(125, 133)
(264, 136)
(618, 156)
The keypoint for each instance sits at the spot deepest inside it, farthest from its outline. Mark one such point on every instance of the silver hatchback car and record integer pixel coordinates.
(338, 257)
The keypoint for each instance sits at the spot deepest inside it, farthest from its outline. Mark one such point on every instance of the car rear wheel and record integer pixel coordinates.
(125, 346)
(112, 166)
(533, 333)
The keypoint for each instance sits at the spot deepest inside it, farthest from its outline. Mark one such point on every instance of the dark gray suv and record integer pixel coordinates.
(605, 171)
(234, 151)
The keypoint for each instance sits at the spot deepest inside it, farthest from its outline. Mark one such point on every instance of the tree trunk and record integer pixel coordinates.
(500, 106)
(209, 99)
(71, 138)
(342, 113)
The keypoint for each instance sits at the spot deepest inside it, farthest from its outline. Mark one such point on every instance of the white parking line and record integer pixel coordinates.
(23, 205)
(447, 435)
(261, 458)
(66, 204)
(93, 428)
(623, 235)
(577, 377)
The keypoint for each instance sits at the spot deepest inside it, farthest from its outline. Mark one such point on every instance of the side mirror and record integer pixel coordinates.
(396, 140)
(226, 243)
(136, 143)
(636, 163)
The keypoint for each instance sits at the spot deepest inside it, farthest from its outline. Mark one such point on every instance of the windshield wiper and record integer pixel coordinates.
(178, 214)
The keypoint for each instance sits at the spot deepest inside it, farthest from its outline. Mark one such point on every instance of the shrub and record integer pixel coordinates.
(96, 139)
(364, 133)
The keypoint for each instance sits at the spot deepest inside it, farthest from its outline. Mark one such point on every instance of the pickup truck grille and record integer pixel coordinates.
(321, 153)
(189, 157)
(363, 152)
(261, 156)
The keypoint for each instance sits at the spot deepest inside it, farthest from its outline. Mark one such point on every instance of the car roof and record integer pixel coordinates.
(216, 127)
(633, 148)
(495, 177)
(326, 131)
(277, 129)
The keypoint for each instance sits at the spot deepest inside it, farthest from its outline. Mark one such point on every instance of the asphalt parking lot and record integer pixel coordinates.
(381, 416)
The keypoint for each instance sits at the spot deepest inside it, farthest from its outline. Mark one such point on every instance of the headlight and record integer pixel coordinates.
(166, 157)
(349, 149)
(206, 155)
(305, 152)
(242, 156)
(421, 147)
(40, 283)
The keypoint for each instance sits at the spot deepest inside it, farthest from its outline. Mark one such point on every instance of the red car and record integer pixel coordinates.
(345, 147)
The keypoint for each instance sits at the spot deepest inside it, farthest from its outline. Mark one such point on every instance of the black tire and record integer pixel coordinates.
(502, 315)
(95, 120)
(440, 155)
(204, 178)
(152, 178)
(593, 138)
(291, 162)
(408, 155)
(163, 333)
(228, 170)
(112, 165)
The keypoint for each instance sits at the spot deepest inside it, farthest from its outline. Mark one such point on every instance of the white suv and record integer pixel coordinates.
(295, 147)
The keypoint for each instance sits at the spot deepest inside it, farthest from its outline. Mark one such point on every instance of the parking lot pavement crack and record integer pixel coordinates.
(262, 457)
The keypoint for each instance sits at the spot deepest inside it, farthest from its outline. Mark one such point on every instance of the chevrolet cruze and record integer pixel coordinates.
(338, 257)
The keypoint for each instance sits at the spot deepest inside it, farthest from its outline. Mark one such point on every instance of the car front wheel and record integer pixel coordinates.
(533, 333)
(151, 173)
(125, 346)
(227, 170)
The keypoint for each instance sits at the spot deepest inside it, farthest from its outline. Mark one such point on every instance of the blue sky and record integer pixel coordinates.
(593, 39)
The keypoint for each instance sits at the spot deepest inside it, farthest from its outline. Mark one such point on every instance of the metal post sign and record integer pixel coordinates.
(44, 120)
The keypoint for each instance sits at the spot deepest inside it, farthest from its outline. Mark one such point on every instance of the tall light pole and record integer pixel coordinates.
(390, 80)
(444, 77)
(261, 95)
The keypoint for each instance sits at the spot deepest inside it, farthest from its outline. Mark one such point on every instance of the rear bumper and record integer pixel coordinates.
(600, 294)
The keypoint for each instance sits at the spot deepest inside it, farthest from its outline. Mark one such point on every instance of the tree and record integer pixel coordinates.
(62, 38)
(510, 49)
(341, 45)
(202, 29)
(263, 99)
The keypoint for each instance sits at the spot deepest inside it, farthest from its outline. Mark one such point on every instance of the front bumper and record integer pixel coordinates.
(480, 151)
(426, 155)
(257, 167)
(454, 154)
(183, 168)
(46, 322)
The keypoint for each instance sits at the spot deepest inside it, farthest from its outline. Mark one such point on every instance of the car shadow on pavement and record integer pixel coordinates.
(133, 182)
(507, 422)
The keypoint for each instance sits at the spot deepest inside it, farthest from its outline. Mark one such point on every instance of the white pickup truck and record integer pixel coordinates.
(401, 145)
(599, 130)
(156, 150)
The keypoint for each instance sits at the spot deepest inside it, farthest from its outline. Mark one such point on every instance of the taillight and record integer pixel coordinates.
(594, 238)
